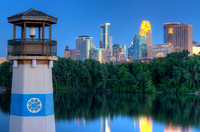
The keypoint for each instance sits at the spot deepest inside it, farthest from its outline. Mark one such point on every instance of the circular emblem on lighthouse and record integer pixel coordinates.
(34, 105)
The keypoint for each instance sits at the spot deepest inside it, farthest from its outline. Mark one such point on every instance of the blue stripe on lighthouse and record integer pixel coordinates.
(32, 105)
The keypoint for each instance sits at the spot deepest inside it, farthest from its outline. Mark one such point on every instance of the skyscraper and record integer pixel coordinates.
(105, 36)
(149, 43)
(182, 37)
(79, 42)
(139, 47)
(145, 30)
(168, 31)
(85, 47)
(145, 26)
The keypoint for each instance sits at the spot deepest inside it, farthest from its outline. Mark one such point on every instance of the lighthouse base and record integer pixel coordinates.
(32, 124)
(32, 108)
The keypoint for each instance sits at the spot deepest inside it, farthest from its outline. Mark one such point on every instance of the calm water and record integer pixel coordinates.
(97, 112)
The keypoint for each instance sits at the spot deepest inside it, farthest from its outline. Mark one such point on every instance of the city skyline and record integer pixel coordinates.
(77, 18)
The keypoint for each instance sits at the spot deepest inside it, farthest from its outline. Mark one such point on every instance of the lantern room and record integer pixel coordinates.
(33, 42)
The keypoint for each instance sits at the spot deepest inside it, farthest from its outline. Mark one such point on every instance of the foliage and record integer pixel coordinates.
(6, 74)
(175, 73)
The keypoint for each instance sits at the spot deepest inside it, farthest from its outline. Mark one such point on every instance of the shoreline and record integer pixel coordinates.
(108, 91)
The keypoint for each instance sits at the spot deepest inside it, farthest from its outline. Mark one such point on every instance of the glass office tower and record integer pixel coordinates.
(105, 36)
(130, 51)
(139, 47)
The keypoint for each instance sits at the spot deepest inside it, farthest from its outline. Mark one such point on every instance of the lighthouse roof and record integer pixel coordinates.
(32, 15)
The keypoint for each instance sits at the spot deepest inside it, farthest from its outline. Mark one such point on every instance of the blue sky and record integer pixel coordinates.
(83, 17)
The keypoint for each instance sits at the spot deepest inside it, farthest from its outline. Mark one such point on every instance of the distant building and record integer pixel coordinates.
(73, 54)
(111, 45)
(105, 36)
(70, 53)
(79, 42)
(161, 50)
(119, 52)
(182, 38)
(76, 54)
(145, 30)
(84, 44)
(2, 60)
(195, 43)
(86, 48)
(168, 31)
(67, 52)
(196, 48)
(149, 43)
(145, 60)
(105, 53)
(97, 55)
(102, 55)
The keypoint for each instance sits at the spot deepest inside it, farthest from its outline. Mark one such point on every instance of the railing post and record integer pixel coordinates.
(50, 32)
(24, 35)
(14, 31)
(43, 30)
(39, 33)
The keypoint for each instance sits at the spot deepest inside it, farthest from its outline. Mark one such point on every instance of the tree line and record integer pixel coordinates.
(175, 73)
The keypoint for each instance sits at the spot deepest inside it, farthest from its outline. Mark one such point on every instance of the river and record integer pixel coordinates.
(118, 112)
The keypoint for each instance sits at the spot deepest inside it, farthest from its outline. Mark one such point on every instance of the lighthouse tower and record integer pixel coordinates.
(32, 56)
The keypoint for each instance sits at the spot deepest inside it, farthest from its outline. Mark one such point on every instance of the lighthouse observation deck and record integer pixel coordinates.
(32, 47)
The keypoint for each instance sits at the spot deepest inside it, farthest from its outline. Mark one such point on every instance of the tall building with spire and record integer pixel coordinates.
(145, 30)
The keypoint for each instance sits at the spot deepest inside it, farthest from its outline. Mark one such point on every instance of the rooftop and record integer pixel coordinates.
(32, 15)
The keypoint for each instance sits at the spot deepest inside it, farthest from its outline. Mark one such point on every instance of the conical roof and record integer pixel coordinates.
(32, 15)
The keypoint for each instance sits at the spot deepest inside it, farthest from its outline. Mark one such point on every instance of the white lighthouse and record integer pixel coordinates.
(32, 108)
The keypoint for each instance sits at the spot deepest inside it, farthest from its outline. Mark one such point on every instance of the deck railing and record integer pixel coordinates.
(32, 47)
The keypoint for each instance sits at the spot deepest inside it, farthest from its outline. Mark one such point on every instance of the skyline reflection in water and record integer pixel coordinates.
(120, 112)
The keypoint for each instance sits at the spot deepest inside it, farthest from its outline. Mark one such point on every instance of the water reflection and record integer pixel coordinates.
(171, 128)
(105, 124)
(80, 121)
(150, 112)
(145, 124)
